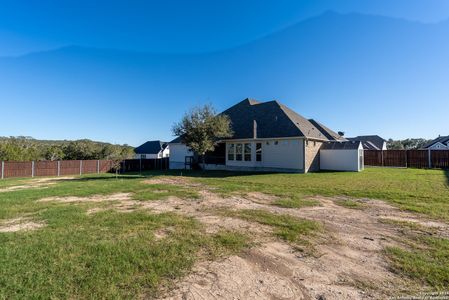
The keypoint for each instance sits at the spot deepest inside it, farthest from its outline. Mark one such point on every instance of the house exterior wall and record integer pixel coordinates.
(312, 155)
(178, 152)
(165, 152)
(284, 153)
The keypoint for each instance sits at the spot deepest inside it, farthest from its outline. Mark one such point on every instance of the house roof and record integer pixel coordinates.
(151, 147)
(272, 120)
(441, 139)
(341, 145)
(370, 142)
(330, 134)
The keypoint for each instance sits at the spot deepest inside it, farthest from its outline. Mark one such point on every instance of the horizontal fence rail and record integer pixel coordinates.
(407, 158)
(11, 169)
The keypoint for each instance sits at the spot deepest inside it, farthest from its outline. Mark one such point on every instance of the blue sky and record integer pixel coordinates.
(163, 57)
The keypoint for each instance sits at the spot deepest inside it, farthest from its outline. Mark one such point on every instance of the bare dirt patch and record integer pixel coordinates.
(261, 198)
(35, 183)
(19, 224)
(176, 180)
(348, 264)
(95, 198)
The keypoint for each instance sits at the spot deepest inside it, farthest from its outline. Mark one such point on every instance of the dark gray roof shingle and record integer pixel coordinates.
(341, 145)
(330, 134)
(273, 120)
(370, 142)
(150, 147)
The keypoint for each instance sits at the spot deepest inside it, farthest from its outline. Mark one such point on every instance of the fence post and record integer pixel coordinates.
(32, 168)
(406, 158)
(140, 165)
(59, 168)
(429, 157)
(98, 166)
(382, 156)
(3, 169)
(81, 167)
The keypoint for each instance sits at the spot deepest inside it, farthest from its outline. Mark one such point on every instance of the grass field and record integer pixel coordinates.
(118, 255)
(416, 190)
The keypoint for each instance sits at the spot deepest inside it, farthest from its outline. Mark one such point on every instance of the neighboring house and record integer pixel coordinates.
(267, 136)
(152, 150)
(371, 142)
(440, 143)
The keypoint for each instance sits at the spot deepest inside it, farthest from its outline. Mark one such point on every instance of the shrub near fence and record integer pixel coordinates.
(407, 158)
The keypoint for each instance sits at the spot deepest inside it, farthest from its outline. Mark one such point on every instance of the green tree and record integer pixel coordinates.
(54, 152)
(201, 129)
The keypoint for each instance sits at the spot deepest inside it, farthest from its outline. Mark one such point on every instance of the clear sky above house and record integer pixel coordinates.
(125, 71)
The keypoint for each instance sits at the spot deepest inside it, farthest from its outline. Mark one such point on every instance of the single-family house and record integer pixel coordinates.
(152, 150)
(371, 142)
(440, 143)
(268, 136)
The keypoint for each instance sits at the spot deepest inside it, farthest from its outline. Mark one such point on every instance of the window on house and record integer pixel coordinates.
(258, 151)
(247, 152)
(142, 156)
(231, 151)
(238, 151)
(276, 142)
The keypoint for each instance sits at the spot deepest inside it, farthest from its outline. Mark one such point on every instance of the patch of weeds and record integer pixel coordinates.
(286, 227)
(348, 203)
(295, 202)
(425, 260)
(162, 191)
(227, 242)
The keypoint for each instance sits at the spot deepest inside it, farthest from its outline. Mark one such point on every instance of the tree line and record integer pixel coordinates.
(27, 149)
(407, 144)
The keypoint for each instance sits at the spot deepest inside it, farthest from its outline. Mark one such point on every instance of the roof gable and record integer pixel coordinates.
(440, 139)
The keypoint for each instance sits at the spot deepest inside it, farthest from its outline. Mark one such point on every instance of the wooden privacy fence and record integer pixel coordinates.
(53, 168)
(408, 158)
(76, 167)
(138, 165)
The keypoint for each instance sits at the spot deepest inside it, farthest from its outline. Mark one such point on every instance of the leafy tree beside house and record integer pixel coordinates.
(201, 129)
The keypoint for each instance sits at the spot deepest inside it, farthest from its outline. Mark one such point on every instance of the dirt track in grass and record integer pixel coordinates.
(35, 183)
(347, 260)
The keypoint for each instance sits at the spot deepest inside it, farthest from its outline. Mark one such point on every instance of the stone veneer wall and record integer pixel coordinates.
(312, 156)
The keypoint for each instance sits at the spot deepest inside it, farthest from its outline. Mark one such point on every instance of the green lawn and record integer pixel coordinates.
(118, 255)
(104, 255)
(416, 190)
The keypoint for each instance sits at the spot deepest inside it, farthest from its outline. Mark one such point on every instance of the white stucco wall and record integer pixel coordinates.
(285, 154)
(341, 160)
(178, 152)
(165, 152)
